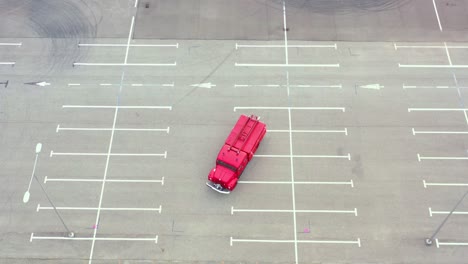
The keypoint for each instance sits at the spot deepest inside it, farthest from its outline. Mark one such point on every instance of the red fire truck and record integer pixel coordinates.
(236, 153)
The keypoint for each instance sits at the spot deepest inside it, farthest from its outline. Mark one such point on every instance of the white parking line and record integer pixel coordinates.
(292, 211)
(7, 63)
(443, 184)
(110, 129)
(450, 243)
(285, 30)
(436, 66)
(441, 158)
(131, 45)
(415, 132)
(124, 64)
(46, 179)
(287, 108)
(336, 65)
(448, 54)
(432, 87)
(345, 131)
(307, 156)
(39, 207)
(291, 160)
(11, 44)
(437, 14)
(128, 84)
(446, 212)
(155, 239)
(436, 109)
(298, 182)
(358, 241)
(337, 86)
(52, 153)
(334, 46)
(117, 107)
(428, 46)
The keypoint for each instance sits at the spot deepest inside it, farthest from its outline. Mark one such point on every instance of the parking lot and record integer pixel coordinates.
(363, 160)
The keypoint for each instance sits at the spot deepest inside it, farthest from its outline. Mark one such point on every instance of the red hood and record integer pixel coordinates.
(221, 175)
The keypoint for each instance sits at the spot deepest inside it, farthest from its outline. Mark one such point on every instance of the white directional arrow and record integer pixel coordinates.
(374, 86)
(204, 85)
(43, 84)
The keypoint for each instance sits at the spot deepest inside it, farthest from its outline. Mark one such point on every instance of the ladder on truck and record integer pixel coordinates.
(244, 134)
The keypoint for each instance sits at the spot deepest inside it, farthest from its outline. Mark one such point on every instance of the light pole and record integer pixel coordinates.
(429, 240)
(27, 193)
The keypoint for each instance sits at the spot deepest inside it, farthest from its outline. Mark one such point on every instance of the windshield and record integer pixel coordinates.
(224, 164)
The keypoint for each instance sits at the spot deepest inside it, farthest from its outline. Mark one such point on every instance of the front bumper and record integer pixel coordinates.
(217, 187)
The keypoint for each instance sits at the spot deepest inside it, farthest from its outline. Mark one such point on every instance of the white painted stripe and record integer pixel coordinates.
(436, 66)
(291, 211)
(338, 86)
(125, 45)
(437, 15)
(432, 87)
(451, 243)
(92, 238)
(117, 107)
(105, 84)
(466, 116)
(7, 63)
(438, 132)
(443, 184)
(308, 131)
(358, 241)
(285, 30)
(110, 129)
(109, 151)
(297, 182)
(257, 85)
(307, 156)
(286, 65)
(136, 4)
(11, 44)
(52, 153)
(431, 212)
(127, 49)
(448, 54)
(429, 47)
(293, 194)
(123, 64)
(282, 46)
(436, 109)
(442, 158)
(39, 207)
(46, 179)
(286, 108)
(131, 84)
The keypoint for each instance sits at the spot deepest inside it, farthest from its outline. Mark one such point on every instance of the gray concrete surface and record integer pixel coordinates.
(385, 195)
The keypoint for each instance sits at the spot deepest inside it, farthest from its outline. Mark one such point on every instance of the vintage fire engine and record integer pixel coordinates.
(238, 150)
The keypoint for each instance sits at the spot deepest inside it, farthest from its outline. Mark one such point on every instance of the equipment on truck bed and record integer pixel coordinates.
(238, 150)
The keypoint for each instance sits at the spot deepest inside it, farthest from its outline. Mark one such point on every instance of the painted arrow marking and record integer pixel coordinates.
(374, 86)
(204, 85)
(38, 83)
(43, 84)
